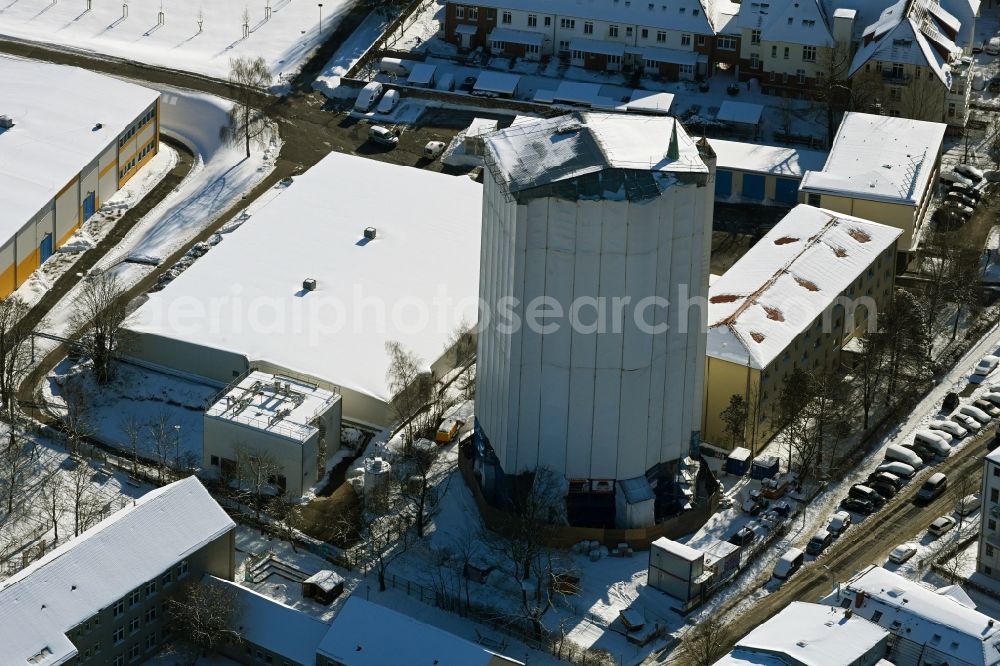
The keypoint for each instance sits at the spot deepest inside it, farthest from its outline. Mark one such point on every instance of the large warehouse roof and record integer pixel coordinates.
(415, 283)
(64, 117)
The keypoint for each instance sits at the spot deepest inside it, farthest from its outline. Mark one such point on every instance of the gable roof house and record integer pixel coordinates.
(910, 60)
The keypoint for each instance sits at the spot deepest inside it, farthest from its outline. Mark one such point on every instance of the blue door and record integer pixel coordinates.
(45, 249)
(89, 205)
(723, 183)
(786, 191)
(753, 187)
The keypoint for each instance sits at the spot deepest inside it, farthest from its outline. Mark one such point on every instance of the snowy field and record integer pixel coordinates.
(193, 36)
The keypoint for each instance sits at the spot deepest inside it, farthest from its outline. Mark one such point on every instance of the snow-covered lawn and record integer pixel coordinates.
(193, 35)
(349, 53)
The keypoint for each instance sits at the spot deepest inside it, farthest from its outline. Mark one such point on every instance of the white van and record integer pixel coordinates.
(788, 564)
(394, 66)
(897, 453)
(368, 97)
(928, 440)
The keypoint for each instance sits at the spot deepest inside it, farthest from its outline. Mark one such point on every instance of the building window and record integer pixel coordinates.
(876, 616)
(614, 59)
(506, 18)
(182, 570)
(460, 12)
(700, 40)
(150, 642)
(754, 61)
(577, 55)
(134, 598)
(150, 588)
(813, 200)
(988, 570)
(687, 69)
(802, 75)
(167, 578)
(588, 28)
(133, 626)
(547, 21)
(661, 37)
(150, 615)
(755, 36)
(895, 94)
(568, 24)
(774, 51)
(612, 30)
(474, 13)
(563, 45)
(897, 70)
(119, 660)
(989, 550)
(951, 109)
(119, 635)
(994, 495)
(726, 43)
(119, 608)
(134, 652)
(685, 40)
(809, 53)
(532, 20)
(786, 53)
(991, 524)
(645, 33)
(531, 48)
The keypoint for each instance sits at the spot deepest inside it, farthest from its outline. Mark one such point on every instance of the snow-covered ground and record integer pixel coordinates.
(349, 53)
(193, 36)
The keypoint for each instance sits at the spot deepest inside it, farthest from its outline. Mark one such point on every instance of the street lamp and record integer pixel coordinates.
(320, 5)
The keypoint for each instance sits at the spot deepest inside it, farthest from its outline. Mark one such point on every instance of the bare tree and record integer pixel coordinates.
(53, 501)
(206, 614)
(248, 125)
(286, 516)
(162, 437)
(132, 429)
(409, 387)
(463, 347)
(77, 425)
(15, 463)
(259, 475)
(84, 499)
(833, 90)
(734, 416)
(100, 316)
(704, 643)
(417, 484)
(922, 98)
(15, 349)
(794, 420)
(379, 531)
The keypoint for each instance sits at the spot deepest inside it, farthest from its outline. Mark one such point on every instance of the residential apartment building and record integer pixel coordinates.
(927, 626)
(988, 557)
(881, 169)
(807, 287)
(671, 41)
(910, 66)
(102, 598)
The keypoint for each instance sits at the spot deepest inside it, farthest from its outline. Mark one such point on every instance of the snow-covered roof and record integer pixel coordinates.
(778, 288)
(648, 101)
(773, 160)
(422, 74)
(677, 549)
(56, 112)
(496, 82)
(923, 616)
(368, 292)
(788, 21)
(549, 150)
(879, 158)
(367, 634)
(814, 635)
(660, 54)
(600, 46)
(84, 575)
(994, 456)
(272, 403)
(739, 112)
(687, 15)
(270, 624)
(516, 36)
(326, 580)
(911, 32)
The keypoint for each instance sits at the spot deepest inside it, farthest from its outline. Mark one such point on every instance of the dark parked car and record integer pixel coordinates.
(743, 538)
(886, 490)
(950, 402)
(862, 506)
(468, 84)
(886, 477)
(860, 491)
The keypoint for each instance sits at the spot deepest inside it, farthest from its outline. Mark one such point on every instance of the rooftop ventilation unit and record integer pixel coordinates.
(6, 122)
(309, 284)
(370, 233)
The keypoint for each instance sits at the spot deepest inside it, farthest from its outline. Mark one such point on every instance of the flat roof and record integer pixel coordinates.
(273, 403)
(422, 74)
(497, 82)
(598, 46)
(814, 635)
(880, 158)
(270, 624)
(678, 549)
(56, 112)
(784, 282)
(516, 36)
(368, 634)
(772, 160)
(739, 112)
(649, 101)
(415, 283)
(42, 602)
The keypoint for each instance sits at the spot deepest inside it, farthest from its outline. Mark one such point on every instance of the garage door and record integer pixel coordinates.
(723, 183)
(786, 190)
(753, 187)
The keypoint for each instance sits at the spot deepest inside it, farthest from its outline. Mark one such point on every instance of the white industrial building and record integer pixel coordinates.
(583, 210)
(69, 140)
(296, 423)
(299, 291)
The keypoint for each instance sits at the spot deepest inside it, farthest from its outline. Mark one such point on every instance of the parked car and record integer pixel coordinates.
(885, 477)
(902, 552)
(977, 47)
(860, 491)
(967, 190)
(952, 177)
(987, 365)
(966, 421)
(743, 537)
(961, 198)
(968, 505)
(388, 102)
(950, 402)
(774, 488)
(383, 135)
(468, 84)
(839, 522)
(818, 543)
(976, 413)
(972, 173)
(788, 564)
(895, 452)
(946, 218)
(883, 488)
(782, 508)
(935, 484)
(987, 406)
(433, 149)
(368, 97)
(755, 504)
(862, 506)
(941, 525)
(992, 396)
(950, 207)
(950, 427)
(897, 469)
(992, 46)
(933, 441)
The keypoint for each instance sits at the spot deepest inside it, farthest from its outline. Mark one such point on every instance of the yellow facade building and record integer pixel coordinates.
(816, 280)
(69, 140)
